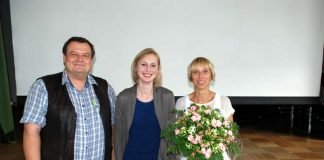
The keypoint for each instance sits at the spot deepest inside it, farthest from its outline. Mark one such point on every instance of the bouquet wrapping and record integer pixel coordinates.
(201, 132)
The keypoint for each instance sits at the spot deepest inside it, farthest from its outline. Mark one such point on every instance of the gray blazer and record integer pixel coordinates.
(164, 104)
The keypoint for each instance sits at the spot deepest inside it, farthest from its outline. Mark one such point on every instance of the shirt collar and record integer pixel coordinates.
(66, 80)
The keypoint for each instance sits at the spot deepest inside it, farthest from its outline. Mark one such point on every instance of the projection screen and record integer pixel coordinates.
(259, 47)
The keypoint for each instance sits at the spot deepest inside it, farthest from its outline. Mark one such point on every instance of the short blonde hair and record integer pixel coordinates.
(158, 79)
(201, 61)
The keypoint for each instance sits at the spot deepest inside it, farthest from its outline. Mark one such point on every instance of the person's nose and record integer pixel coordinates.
(200, 74)
(148, 68)
(79, 58)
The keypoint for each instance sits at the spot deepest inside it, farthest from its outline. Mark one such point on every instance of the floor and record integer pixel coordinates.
(267, 145)
(257, 145)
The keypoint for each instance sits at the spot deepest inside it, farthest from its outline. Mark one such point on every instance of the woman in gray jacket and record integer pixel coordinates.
(142, 111)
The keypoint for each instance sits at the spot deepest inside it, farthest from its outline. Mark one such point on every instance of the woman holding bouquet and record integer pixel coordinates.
(201, 73)
(142, 111)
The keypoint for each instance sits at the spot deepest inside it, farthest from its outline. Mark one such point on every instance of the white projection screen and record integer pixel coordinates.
(266, 48)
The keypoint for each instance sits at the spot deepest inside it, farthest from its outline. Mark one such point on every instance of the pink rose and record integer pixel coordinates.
(230, 133)
(206, 152)
(198, 138)
(193, 108)
(216, 123)
(177, 131)
(194, 140)
(222, 146)
(195, 117)
(190, 138)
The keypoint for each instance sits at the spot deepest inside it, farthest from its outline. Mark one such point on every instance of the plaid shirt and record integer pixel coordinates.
(89, 137)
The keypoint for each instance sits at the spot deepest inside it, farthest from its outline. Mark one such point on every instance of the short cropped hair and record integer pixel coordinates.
(158, 79)
(201, 61)
(80, 40)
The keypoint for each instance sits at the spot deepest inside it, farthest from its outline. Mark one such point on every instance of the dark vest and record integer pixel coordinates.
(57, 137)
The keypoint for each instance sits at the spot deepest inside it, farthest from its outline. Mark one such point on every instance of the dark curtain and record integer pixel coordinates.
(7, 75)
(5, 20)
(6, 118)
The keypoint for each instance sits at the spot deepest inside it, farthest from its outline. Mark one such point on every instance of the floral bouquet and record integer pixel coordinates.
(201, 132)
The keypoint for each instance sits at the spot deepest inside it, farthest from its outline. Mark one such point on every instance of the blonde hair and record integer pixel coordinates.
(158, 79)
(201, 61)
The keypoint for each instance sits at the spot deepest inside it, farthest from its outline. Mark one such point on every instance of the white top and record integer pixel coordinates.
(220, 102)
